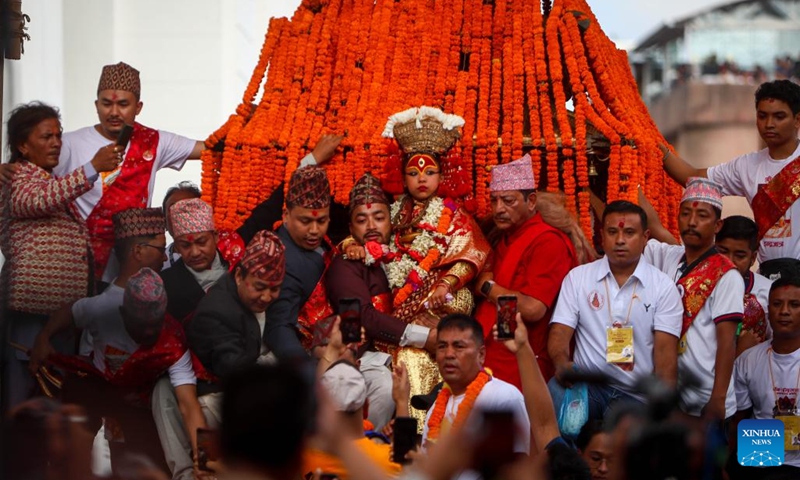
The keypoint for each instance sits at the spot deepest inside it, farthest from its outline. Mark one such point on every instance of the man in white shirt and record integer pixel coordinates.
(712, 291)
(460, 352)
(624, 313)
(767, 379)
(768, 178)
(131, 184)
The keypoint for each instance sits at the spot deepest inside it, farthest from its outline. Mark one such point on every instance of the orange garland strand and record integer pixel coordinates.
(344, 66)
(464, 408)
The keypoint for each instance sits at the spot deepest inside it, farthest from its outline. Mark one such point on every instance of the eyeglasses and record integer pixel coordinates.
(160, 249)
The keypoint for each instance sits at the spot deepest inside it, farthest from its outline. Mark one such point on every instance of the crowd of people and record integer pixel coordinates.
(362, 341)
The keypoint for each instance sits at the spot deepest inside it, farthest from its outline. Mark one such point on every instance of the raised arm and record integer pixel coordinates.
(657, 229)
(678, 168)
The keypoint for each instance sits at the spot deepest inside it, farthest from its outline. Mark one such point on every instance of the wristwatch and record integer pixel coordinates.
(487, 287)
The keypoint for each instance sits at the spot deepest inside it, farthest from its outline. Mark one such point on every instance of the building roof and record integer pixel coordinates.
(666, 33)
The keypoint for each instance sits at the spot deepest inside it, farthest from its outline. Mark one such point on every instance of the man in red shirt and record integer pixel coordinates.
(529, 261)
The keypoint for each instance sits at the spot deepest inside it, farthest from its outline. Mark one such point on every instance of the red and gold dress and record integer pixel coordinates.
(432, 241)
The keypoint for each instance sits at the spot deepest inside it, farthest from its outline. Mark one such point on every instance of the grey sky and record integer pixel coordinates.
(632, 20)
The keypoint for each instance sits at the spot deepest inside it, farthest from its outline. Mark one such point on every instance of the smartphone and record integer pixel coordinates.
(350, 315)
(404, 438)
(506, 316)
(207, 448)
(495, 441)
(124, 136)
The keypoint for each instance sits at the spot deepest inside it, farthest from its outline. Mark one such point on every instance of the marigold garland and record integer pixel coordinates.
(508, 68)
(464, 408)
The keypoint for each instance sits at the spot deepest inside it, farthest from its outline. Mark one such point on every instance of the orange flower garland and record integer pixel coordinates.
(464, 408)
(505, 66)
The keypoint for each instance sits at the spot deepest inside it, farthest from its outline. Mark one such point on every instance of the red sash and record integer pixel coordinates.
(129, 190)
(382, 302)
(317, 305)
(141, 370)
(754, 318)
(774, 198)
(698, 285)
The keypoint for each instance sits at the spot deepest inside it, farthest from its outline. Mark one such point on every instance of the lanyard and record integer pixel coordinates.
(630, 305)
(774, 388)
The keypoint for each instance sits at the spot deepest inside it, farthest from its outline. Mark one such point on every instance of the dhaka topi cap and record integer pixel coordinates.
(264, 257)
(346, 386)
(191, 216)
(120, 77)
(145, 297)
(366, 191)
(516, 175)
(309, 188)
(138, 222)
(699, 189)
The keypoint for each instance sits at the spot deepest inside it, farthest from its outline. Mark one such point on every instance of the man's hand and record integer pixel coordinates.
(563, 369)
(41, 351)
(520, 340)
(107, 158)
(714, 409)
(326, 147)
(355, 252)
(7, 172)
(401, 388)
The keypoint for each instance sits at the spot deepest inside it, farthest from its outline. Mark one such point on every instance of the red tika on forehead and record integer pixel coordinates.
(621, 224)
(314, 213)
(114, 96)
(695, 204)
(190, 238)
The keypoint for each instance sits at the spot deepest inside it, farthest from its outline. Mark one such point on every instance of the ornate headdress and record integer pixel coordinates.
(700, 189)
(138, 222)
(191, 216)
(423, 131)
(309, 188)
(265, 257)
(516, 175)
(120, 77)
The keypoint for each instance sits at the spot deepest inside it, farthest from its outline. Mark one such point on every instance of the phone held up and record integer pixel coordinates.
(404, 438)
(506, 315)
(207, 448)
(350, 315)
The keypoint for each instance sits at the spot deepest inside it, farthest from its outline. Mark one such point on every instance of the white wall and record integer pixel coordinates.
(195, 59)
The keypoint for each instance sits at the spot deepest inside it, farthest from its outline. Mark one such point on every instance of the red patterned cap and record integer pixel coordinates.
(700, 189)
(309, 188)
(191, 216)
(145, 297)
(265, 257)
(120, 77)
(138, 222)
(516, 175)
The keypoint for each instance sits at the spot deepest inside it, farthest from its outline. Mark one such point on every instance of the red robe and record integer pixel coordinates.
(533, 260)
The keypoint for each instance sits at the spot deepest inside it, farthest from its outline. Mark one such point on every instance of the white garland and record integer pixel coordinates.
(448, 121)
(397, 271)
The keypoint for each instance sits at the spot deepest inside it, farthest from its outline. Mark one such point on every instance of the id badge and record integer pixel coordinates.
(791, 432)
(619, 345)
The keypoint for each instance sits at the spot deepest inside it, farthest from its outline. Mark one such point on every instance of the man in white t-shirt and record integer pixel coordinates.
(767, 378)
(774, 204)
(624, 314)
(712, 291)
(460, 352)
(131, 184)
